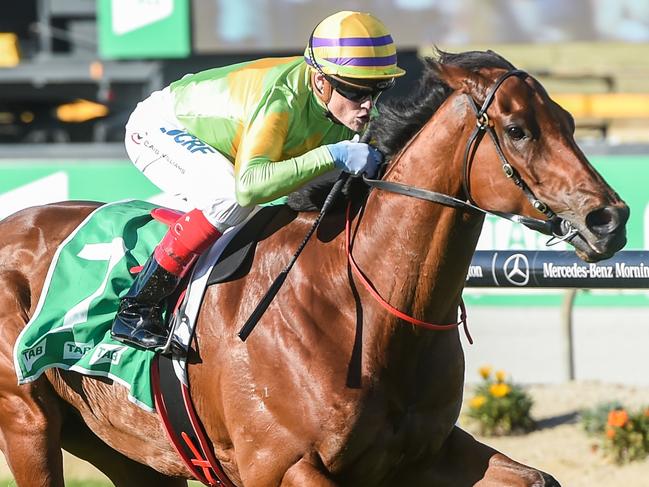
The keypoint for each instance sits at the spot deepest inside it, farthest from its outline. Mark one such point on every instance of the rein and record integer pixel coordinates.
(543, 226)
(484, 125)
(391, 309)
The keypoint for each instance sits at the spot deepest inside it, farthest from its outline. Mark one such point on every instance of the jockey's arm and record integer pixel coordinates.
(262, 174)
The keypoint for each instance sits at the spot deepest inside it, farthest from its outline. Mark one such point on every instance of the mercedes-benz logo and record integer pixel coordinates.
(517, 269)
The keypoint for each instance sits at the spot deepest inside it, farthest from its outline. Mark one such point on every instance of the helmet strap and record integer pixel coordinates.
(324, 95)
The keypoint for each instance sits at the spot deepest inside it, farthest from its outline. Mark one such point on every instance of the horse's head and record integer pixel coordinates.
(524, 158)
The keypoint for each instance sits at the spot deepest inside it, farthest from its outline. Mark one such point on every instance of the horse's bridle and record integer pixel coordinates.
(484, 125)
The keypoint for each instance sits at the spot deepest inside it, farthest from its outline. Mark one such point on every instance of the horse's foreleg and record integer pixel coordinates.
(304, 474)
(464, 461)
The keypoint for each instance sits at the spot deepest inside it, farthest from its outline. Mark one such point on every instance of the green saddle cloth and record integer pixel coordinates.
(70, 328)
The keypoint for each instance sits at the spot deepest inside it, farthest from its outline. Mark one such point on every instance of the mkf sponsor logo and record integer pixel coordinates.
(188, 141)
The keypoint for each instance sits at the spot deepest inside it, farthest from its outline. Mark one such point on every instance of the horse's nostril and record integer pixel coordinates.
(606, 220)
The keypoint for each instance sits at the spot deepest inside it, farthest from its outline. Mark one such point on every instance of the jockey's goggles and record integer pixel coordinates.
(359, 93)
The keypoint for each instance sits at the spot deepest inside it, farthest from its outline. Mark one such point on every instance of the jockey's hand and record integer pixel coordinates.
(356, 157)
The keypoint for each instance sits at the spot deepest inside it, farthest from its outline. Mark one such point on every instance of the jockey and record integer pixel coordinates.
(230, 138)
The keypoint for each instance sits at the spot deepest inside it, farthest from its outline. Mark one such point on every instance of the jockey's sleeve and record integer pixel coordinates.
(261, 172)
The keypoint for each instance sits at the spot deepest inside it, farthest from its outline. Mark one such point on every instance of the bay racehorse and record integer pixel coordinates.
(331, 389)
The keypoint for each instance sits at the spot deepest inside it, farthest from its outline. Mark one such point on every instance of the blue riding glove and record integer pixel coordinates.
(356, 157)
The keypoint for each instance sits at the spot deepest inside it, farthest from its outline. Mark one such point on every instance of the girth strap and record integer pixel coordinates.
(182, 425)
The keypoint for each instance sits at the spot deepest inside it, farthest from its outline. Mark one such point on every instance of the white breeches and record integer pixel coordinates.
(180, 164)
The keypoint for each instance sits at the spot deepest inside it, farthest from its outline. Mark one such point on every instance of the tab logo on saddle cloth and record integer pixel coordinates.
(31, 355)
(187, 140)
(76, 350)
(105, 353)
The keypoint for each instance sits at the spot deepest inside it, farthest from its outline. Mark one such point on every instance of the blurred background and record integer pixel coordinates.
(71, 71)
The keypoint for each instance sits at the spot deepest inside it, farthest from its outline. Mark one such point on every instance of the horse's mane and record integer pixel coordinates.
(401, 118)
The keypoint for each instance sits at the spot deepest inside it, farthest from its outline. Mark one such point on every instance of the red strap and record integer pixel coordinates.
(391, 309)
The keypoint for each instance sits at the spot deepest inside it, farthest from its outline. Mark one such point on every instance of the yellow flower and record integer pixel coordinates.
(478, 401)
(485, 371)
(500, 375)
(499, 390)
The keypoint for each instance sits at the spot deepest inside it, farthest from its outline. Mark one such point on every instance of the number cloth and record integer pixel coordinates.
(70, 328)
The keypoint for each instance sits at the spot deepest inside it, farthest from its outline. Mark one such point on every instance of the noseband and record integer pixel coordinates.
(484, 125)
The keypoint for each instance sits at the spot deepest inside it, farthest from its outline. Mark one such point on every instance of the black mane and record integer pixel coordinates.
(401, 118)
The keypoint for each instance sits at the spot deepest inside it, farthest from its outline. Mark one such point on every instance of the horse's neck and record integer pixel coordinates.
(417, 252)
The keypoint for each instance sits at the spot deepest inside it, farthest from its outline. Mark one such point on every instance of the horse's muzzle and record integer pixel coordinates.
(608, 220)
(604, 233)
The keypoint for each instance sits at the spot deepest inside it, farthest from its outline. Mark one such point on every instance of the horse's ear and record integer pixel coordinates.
(460, 79)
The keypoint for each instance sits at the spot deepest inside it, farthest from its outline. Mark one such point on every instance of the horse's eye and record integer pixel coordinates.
(515, 132)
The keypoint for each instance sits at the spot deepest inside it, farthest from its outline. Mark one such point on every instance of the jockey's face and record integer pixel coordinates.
(354, 115)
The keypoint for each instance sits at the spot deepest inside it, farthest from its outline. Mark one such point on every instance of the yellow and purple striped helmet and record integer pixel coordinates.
(353, 45)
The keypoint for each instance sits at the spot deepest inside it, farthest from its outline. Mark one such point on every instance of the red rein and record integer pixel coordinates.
(391, 309)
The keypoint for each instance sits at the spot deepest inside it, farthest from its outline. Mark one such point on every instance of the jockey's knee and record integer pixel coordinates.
(224, 214)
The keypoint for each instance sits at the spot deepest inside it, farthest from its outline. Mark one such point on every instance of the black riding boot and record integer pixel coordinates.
(139, 319)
